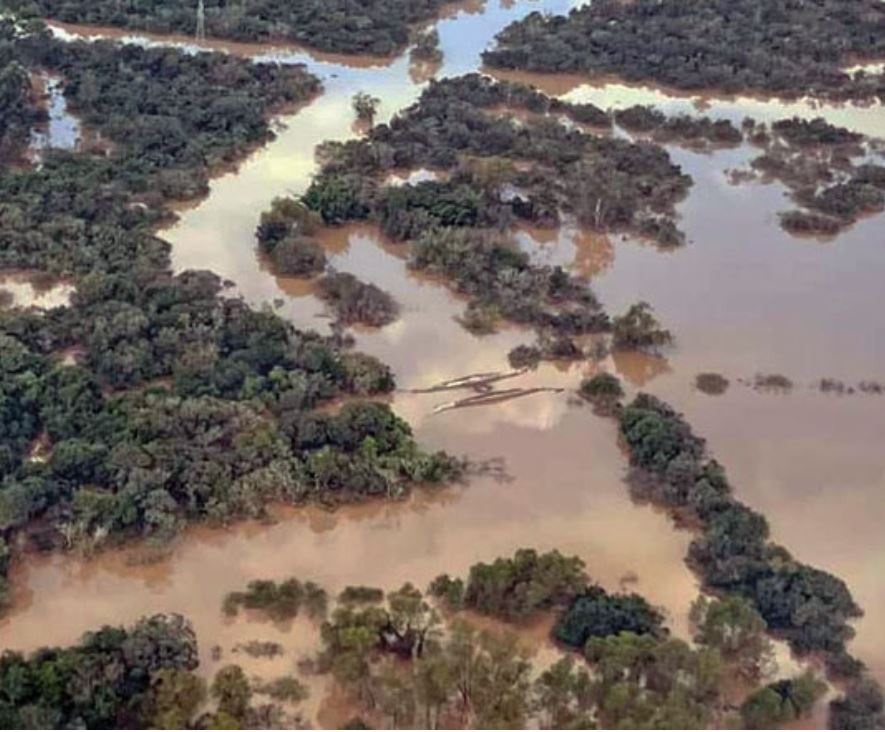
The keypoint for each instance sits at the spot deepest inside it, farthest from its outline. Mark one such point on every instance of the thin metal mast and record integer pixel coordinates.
(201, 20)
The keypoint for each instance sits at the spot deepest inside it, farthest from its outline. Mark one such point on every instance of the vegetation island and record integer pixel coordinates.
(778, 48)
(491, 171)
(375, 27)
(828, 171)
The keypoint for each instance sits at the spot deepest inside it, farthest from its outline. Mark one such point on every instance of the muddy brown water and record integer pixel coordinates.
(741, 297)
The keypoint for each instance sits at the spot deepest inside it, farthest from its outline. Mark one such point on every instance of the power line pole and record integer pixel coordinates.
(201, 20)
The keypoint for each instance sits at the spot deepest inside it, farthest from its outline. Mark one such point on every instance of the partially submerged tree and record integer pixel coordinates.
(365, 106)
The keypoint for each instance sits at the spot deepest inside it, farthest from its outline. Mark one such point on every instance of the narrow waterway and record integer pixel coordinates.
(742, 297)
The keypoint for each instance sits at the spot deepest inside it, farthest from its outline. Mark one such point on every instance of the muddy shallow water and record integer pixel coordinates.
(742, 297)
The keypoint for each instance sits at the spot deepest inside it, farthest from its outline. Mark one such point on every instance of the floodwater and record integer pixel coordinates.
(25, 289)
(62, 129)
(741, 297)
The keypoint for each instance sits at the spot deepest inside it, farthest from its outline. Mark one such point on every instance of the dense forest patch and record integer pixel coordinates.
(499, 170)
(111, 679)
(378, 27)
(20, 109)
(143, 677)
(184, 403)
(779, 47)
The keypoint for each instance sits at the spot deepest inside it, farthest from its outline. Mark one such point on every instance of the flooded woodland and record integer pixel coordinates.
(742, 297)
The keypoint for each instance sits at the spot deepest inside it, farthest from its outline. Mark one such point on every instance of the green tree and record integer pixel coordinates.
(365, 106)
(232, 692)
(177, 696)
(735, 628)
(639, 329)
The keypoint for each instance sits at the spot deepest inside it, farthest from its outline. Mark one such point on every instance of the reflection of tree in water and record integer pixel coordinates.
(553, 85)
(323, 520)
(640, 368)
(467, 7)
(594, 253)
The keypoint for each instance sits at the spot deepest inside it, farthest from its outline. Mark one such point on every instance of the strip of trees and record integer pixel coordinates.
(809, 608)
(782, 48)
(378, 27)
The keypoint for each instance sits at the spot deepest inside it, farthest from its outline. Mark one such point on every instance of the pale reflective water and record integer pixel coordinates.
(741, 297)
(62, 129)
(28, 289)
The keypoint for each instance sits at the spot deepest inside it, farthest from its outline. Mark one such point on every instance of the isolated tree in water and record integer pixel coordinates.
(365, 106)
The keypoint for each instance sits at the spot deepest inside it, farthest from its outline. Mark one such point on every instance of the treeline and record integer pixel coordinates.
(406, 664)
(808, 607)
(824, 167)
(114, 678)
(498, 172)
(409, 659)
(379, 27)
(141, 677)
(183, 403)
(782, 47)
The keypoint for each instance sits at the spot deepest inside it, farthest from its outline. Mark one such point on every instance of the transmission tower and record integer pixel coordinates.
(201, 20)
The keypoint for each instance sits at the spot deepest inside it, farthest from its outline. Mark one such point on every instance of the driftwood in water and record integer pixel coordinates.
(479, 382)
(493, 397)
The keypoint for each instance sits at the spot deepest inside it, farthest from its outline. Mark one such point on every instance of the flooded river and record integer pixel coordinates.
(742, 297)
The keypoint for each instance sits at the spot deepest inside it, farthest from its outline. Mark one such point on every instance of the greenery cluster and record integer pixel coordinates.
(183, 404)
(638, 328)
(515, 588)
(495, 170)
(734, 627)
(355, 301)
(404, 667)
(594, 613)
(114, 678)
(460, 677)
(711, 383)
(781, 702)
(826, 170)
(19, 110)
(603, 391)
(608, 183)
(365, 106)
(278, 600)
(782, 47)
(806, 606)
(699, 131)
(379, 27)
(504, 283)
(284, 236)
(142, 677)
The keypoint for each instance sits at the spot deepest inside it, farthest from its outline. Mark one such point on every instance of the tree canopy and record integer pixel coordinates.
(379, 27)
(778, 47)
